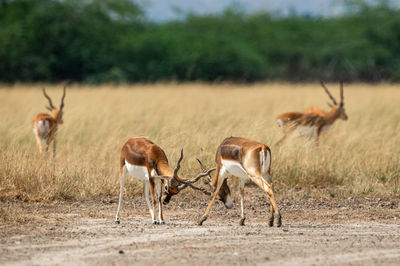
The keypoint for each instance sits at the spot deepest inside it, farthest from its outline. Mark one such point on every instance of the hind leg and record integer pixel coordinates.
(264, 185)
(38, 141)
(281, 140)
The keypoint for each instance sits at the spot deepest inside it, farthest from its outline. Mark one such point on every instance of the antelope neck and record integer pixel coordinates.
(332, 115)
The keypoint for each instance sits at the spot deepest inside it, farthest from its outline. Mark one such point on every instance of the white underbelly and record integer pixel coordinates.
(306, 131)
(139, 172)
(234, 168)
(325, 128)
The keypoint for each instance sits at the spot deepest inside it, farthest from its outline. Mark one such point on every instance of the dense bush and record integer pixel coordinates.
(111, 41)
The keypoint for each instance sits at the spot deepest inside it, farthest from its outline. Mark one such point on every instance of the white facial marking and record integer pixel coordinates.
(138, 172)
(229, 202)
(234, 168)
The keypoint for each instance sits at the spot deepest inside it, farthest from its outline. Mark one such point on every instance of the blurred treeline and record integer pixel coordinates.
(112, 41)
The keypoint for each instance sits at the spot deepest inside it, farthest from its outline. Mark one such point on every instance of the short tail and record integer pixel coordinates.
(265, 160)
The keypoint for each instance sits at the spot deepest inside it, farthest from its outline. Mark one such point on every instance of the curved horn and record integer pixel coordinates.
(341, 93)
(203, 168)
(194, 180)
(62, 98)
(189, 183)
(51, 107)
(178, 166)
(205, 191)
(327, 92)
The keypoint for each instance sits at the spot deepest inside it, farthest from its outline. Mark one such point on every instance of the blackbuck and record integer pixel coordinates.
(147, 162)
(246, 159)
(313, 121)
(45, 125)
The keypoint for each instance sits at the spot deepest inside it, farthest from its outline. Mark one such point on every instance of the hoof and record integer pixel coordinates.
(201, 221)
(241, 222)
(271, 222)
(154, 222)
(117, 222)
(279, 222)
(162, 222)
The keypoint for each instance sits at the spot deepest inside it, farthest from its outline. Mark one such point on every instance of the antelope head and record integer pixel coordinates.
(57, 113)
(338, 108)
(175, 184)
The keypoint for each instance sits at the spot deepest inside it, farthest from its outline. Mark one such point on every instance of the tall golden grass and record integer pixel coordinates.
(358, 156)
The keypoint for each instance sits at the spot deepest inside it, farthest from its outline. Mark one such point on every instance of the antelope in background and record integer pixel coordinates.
(313, 121)
(246, 159)
(146, 161)
(45, 125)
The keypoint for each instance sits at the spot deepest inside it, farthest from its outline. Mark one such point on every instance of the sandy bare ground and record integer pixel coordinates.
(354, 231)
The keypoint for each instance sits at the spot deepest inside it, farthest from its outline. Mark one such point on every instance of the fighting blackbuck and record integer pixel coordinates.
(313, 121)
(246, 159)
(146, 161)
(45, 125)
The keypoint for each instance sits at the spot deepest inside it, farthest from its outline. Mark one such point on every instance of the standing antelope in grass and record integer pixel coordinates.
(146, 161)
(246, 159)
(45, 125)
(313, 121)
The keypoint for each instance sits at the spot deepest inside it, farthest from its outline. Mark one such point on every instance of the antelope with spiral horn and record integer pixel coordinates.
(313, 121)
(45, 125)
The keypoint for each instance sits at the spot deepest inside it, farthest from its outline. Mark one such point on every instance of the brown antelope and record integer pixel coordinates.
(45, 125)
(146, 161)
(246, 159)
(313, 121)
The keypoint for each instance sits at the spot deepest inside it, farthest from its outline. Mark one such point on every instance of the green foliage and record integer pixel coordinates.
(110, 41)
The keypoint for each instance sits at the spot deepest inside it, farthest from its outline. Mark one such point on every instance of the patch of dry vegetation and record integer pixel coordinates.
(358, 156)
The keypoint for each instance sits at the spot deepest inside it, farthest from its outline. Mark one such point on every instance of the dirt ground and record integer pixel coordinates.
(328, 231)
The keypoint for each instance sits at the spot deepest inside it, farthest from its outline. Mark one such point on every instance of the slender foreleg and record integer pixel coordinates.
(241, 184)
(159, 198)
(221, 177)
(122, 175)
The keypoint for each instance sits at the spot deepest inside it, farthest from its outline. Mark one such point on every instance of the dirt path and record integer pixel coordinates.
(351, 232)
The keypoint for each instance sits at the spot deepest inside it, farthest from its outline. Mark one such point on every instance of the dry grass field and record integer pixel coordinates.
(356, 157)
(339, 201)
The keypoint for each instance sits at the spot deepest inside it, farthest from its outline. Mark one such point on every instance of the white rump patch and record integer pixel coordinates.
(43, 127)
(234, 168)
(267, 162)
(138, 172)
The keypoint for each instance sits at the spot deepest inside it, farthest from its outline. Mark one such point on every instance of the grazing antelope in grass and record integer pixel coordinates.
(313, 121)
(246, 159)
(146, 161)
(45, 125)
